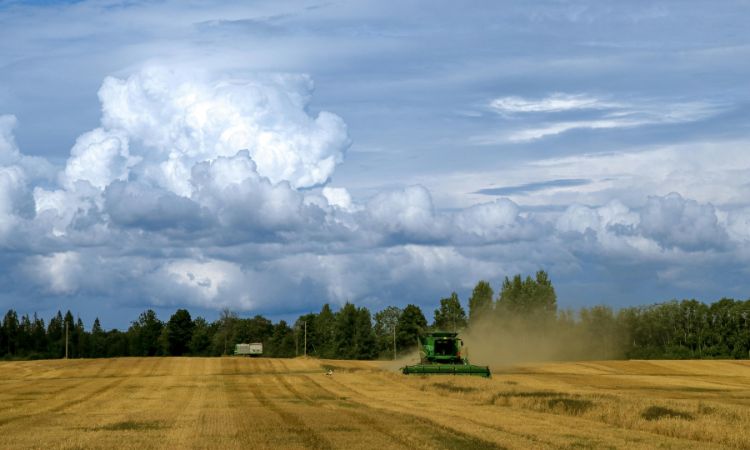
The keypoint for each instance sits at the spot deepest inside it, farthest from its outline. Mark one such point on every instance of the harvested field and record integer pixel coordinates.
(274, 403)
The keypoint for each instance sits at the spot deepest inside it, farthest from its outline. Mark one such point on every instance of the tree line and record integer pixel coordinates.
(524, 306)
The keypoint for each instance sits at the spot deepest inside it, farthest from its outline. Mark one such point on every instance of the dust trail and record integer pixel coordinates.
(502, 341)
(395, 365)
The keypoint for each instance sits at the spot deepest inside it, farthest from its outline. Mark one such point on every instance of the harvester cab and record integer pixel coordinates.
(441, 353)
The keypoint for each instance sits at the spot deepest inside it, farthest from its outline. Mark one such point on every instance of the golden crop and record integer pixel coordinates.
(174, 403)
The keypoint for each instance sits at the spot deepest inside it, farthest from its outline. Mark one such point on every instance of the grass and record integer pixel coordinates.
(235, 403)
(660, 412)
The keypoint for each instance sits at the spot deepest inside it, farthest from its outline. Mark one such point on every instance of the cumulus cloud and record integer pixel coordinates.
(238, 196)
(677, 222)
(58, 273)
(212, 192)
(177, 119)
(663, 224)
(407, 212)
(206, 283)
(338, 197)
(99, 157)
(12, 198)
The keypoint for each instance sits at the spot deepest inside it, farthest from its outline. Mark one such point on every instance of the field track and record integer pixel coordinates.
(173, 403)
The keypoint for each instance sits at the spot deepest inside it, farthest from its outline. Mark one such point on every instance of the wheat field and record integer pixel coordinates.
(171, 403)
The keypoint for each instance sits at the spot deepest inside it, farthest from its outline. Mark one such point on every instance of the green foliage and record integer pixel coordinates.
(450, 316)
(145, 333)
(11, 332)
(200, 342)
(179, 332)
(529, 298)
(324, 333)
(354, 337)
(97, 347)
(481, 301)
(222, 342)
(410, 325)
(317, 344)
(281, 342)
(385, 326)
(672, 330)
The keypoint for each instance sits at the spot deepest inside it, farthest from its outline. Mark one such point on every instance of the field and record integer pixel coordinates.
(274, 403)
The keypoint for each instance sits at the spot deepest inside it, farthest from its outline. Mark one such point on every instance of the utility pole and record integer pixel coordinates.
(305, 338)
(66, 339)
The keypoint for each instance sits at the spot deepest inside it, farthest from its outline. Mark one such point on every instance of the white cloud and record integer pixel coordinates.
(603, 115)
(210, 283)
(677, 222)
(556, 102)
(58, 272)
(99, 157)
(339, 197)
(231, 188)
(738, 225)
(12, 196)
(664, 224)
(407, 211)
(494, 221)
(9, 153)
(194, 191)
(176, 119)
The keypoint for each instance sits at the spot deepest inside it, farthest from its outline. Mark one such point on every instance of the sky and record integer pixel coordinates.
(270, 157)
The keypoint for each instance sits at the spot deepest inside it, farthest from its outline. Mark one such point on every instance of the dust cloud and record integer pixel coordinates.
(498, 342)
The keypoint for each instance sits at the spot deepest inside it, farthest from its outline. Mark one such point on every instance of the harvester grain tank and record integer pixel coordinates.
(440, 353)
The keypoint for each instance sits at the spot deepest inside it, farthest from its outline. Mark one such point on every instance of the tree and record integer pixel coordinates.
(10, 332)
(55, 336)
(145, 334)
(385, 326)
(529, 298)
(354, 338)
(200, 342)
(38, 336)
(224, 336)
(480, 302)
(257, 329)
(179, 332)
(411, 325)
(364, 337)
(307, 323)
(324, 333)
(450, 316)
(346, 323)
(97, 348)
(281, 341)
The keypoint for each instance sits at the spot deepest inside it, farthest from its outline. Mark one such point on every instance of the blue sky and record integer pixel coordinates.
(270, 157)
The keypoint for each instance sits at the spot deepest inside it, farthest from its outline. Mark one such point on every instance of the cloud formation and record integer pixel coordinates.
(215, 192)
(562, 112)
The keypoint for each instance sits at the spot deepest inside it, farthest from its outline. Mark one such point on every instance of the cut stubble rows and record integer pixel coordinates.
(292, 403)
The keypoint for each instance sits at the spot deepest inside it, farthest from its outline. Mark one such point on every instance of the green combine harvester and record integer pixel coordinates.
(440, 353)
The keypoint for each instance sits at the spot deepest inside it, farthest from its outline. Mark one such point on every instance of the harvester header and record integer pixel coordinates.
(440, 353)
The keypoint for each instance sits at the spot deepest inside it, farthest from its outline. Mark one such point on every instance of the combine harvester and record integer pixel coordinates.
(440, 353)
